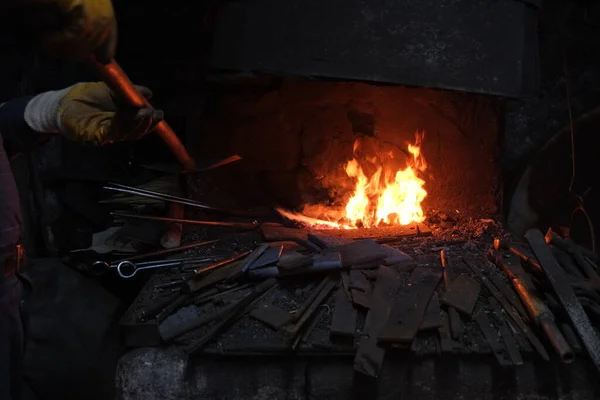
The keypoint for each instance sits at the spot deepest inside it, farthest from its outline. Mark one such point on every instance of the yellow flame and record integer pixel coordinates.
(394, 198)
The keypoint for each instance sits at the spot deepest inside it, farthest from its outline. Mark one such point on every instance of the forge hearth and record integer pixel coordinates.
(293, 92)
(296, 136)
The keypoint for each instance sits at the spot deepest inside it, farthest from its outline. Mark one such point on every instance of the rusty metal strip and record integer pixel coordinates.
(369, 357)
(491, 336)
(343, 322)
(509, 341)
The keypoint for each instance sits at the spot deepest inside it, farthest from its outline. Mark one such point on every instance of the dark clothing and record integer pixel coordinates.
(11, 338)
(10, 209)
(14, 137)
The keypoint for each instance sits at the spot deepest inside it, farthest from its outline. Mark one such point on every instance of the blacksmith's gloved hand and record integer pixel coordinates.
(73, 29)
(90, 113)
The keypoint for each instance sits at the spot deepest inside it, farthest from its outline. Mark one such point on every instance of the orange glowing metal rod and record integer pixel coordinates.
(118, 81)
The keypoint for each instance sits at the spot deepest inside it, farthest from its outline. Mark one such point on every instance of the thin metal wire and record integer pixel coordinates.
(579, 198)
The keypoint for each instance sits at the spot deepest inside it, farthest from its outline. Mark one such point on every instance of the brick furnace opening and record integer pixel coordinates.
(350, 154)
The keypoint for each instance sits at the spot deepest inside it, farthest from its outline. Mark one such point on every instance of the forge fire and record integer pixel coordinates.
(382, 195)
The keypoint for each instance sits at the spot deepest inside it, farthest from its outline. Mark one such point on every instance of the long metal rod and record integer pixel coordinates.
(241, 225)
(151, 192)
(118, 81)
(167, 197)
(220, 163)
(158, 253)
(201, 270)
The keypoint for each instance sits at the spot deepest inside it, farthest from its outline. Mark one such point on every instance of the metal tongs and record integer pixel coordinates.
(127, 269)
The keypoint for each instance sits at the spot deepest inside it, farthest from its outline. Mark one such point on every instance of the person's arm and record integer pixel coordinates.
(85, 112)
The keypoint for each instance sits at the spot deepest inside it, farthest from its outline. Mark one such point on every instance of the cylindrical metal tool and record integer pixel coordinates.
(118, 81)
(537, 309)
(502, 245)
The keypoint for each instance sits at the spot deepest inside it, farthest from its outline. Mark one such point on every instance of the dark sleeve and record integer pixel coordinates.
(16, 133)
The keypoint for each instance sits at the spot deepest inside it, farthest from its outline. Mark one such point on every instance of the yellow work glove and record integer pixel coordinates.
(74, 29)
(90, 113)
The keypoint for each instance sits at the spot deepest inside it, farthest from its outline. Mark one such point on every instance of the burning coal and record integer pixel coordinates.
(383, 197)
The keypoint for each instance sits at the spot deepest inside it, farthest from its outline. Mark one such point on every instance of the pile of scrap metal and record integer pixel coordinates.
(221, 292)
(558, 287)
(378, 299)
(370, 298)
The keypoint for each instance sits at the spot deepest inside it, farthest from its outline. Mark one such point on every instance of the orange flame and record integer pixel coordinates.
(383, 198)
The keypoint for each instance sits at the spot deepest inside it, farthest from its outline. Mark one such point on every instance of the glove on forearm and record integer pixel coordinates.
(89, 113)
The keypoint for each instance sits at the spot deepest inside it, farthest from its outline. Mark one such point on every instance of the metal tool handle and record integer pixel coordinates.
(127, 269)
(118, 81)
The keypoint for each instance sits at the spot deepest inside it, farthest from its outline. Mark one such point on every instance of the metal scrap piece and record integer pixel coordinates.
(571, 337)
(324, 241)
(511, 345)
(501, 314)
(311, 326)
(446, 343)
(237, 310)
(269, 257)
(510, 295)
(346, 285)
(264, 272)
(433, 314)
(343, 322)
(189, 318)
(369, 357)
(491, 336)
(424, 280)
(314, 294)
(505, 333)
(271, 315)
(302, 319)
(566, 261)
(292, 259)
(565, 244)
(327, 261)
(253, 257)
(462, 294)
(457, 326)
(396, 257)
(361, 252)
(360, 289)
(224, 270)
(538, 310)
